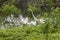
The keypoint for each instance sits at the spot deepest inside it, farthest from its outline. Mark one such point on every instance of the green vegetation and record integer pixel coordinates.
(50, 30)
(30, 33)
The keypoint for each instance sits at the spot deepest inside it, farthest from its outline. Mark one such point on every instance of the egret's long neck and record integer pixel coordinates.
(33, 15)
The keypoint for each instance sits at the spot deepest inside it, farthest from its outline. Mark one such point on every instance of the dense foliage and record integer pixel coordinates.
(49, 30)
(30, 33)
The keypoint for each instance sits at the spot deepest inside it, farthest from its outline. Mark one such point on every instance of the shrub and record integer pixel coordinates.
(9, 9)
(26, 33)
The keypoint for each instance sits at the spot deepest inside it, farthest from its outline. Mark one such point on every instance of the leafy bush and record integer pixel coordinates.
(27, 33)
(9, 9)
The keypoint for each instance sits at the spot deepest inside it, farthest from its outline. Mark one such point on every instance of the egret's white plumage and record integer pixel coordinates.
(40, 20)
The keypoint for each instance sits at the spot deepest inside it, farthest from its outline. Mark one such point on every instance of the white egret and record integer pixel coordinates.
(35, 19)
